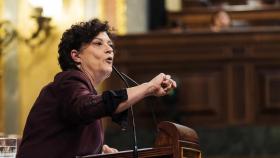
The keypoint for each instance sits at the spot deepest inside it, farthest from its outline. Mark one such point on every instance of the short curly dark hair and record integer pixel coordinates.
(75, 37)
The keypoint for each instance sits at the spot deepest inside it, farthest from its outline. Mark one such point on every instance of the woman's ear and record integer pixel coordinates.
(75, 56)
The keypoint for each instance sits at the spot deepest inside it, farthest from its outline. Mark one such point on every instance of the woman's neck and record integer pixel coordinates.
(93, 77)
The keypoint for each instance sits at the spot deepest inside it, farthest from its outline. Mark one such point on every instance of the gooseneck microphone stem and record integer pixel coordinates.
(130, 79)
(135, 148)
(152, 99)
(152, 107)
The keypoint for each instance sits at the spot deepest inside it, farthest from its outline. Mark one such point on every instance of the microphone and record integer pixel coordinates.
(153, 101)
(135, 148)
(130, 79)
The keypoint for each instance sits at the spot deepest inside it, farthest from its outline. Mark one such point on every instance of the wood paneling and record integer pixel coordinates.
(223, 78)
(268, 85)
(195, 18)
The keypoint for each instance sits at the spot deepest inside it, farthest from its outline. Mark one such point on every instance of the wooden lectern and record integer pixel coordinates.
(172, 141)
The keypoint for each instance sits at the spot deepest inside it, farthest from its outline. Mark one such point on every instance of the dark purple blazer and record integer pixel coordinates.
(65, 119)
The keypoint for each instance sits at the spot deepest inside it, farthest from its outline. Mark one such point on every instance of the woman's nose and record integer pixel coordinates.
(109, 49)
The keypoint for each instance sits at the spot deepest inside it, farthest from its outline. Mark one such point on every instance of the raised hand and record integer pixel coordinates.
(161, 84)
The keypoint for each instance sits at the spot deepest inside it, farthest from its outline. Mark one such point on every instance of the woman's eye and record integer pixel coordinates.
(97, 43)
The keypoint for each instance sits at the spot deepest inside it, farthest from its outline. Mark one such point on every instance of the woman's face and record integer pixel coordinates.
(96, 58)
(222, 19)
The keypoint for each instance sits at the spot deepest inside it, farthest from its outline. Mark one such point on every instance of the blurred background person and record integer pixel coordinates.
(220, 20)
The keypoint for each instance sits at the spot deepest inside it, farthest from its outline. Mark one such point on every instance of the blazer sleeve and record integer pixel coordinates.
(81, 104)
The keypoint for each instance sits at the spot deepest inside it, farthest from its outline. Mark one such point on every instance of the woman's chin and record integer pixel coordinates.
(108, 73)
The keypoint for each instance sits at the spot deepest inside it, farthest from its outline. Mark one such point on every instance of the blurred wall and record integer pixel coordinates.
(9, 69)
(28, 68)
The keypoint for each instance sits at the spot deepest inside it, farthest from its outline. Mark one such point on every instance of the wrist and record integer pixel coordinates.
(149, 89)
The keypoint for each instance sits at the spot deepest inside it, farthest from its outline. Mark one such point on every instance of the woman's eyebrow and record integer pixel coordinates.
(109, 41)
(98, 39)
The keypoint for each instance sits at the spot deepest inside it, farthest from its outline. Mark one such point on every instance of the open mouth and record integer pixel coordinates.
(109, 60)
